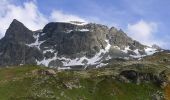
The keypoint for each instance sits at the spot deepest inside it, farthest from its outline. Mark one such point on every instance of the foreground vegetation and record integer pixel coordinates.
(39, 83)
(145, 79)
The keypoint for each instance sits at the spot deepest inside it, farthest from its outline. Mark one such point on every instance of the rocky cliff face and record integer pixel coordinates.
(13, 48)
(69, 39)
(67, 44)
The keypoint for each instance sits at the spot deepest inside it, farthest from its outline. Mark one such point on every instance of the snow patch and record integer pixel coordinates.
(150, 51)
(69, 31)
(101, 65)
(50, 50)
(126, 49)
(42, 34)
(87, 61)
(77, 61)
(81, 30)
(126, 58)
(71, 62)
(138, 55)
(116, 47)
(37, 43)
(63, 68)
(108, 57)
(108, 46)
(78, 23)
(46, 62)
(84, 30)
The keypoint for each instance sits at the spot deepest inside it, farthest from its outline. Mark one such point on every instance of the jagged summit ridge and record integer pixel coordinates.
(18, 32)
(66, 44)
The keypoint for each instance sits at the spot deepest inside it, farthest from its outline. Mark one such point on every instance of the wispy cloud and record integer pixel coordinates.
(144, 32)
(142, 29)
(121, 14)
(60, 16)
(29, 14)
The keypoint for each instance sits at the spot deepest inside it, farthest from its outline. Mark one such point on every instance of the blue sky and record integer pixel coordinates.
(147, 21)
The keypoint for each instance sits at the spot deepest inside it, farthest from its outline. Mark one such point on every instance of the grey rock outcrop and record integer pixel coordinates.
(69, 39)
(19, 33)
(13, 50)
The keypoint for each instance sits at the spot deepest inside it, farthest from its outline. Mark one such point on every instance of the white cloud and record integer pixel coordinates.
(143, 31)
(27, 14)
(59, 16)
(31, 17)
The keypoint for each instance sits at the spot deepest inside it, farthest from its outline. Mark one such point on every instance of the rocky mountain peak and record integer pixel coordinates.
(61, 44)
(18, 32)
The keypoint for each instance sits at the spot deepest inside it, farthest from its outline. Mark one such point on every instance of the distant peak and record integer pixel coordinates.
(19, 32)
(16, 24)
(15, 21)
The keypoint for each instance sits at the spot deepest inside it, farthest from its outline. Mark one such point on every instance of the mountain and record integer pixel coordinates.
(116, 66)
(62, 45)
(145, 79)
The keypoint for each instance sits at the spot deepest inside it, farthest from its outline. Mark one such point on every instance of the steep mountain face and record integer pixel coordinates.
(68, 44)
(13, 50)
(69, 39)
(19, 33)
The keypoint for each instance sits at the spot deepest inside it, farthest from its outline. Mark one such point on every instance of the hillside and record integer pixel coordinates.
(123, 80)
(39, 83)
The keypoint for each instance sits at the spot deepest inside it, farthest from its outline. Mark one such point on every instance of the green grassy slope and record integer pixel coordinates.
(28, 83)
